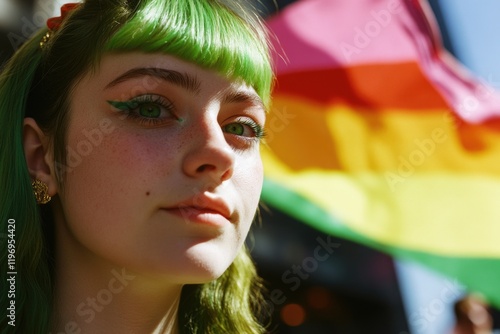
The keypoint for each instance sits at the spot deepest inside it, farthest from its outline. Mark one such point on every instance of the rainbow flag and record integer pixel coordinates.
(378, 135)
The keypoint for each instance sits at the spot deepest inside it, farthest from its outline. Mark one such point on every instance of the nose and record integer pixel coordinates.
(209, 154)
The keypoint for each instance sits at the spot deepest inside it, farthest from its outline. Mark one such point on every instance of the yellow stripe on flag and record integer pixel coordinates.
(402, 179)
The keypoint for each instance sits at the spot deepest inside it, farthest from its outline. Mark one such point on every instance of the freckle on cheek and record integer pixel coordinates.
(147, 193)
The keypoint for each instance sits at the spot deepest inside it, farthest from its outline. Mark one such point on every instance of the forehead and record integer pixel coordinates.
(145, 71)
(112, 67)
(129, 74)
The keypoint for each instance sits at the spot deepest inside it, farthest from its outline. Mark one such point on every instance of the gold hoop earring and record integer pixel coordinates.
(41, 191)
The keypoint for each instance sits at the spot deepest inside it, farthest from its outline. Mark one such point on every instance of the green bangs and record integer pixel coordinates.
(206, 33)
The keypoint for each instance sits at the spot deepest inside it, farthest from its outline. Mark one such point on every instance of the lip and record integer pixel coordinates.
(202, 209)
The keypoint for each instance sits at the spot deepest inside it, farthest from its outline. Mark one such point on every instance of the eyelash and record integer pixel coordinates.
(130, 109)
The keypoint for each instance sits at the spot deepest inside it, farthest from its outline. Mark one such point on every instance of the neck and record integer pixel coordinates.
(113, 300)
(94, 296)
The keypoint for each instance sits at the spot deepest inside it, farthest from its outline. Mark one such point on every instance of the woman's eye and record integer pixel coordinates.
(235, 129)
(146, 110)
(150, 110)
(244, 128)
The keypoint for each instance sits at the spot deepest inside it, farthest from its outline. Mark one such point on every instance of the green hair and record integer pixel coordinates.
(37, 82)
(231, 47)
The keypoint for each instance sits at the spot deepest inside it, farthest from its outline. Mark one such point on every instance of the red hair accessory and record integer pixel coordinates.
(55, 22)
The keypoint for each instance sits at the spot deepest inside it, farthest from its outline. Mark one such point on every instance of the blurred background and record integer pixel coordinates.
(367, 226)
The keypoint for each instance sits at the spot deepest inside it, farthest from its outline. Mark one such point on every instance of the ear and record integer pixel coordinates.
(39, 157)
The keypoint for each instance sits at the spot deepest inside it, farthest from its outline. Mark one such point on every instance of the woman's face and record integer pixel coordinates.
(163, 172)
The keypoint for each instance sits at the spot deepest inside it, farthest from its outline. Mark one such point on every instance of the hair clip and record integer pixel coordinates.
(55, 22)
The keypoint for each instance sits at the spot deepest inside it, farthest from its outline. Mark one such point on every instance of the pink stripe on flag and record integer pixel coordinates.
(326, 34)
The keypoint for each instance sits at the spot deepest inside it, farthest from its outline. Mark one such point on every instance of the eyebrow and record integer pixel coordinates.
(244, 97)
(183, 80)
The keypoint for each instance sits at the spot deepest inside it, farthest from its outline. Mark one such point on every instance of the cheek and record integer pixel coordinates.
(115, 161)
(99, 169)
(253, 179)
(108, 187)
(248, 180)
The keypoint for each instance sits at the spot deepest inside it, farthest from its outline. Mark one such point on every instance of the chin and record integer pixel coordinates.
(208, 267)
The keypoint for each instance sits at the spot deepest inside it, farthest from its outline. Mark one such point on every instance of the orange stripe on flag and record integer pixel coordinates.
(380, 86)
(339, 137)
